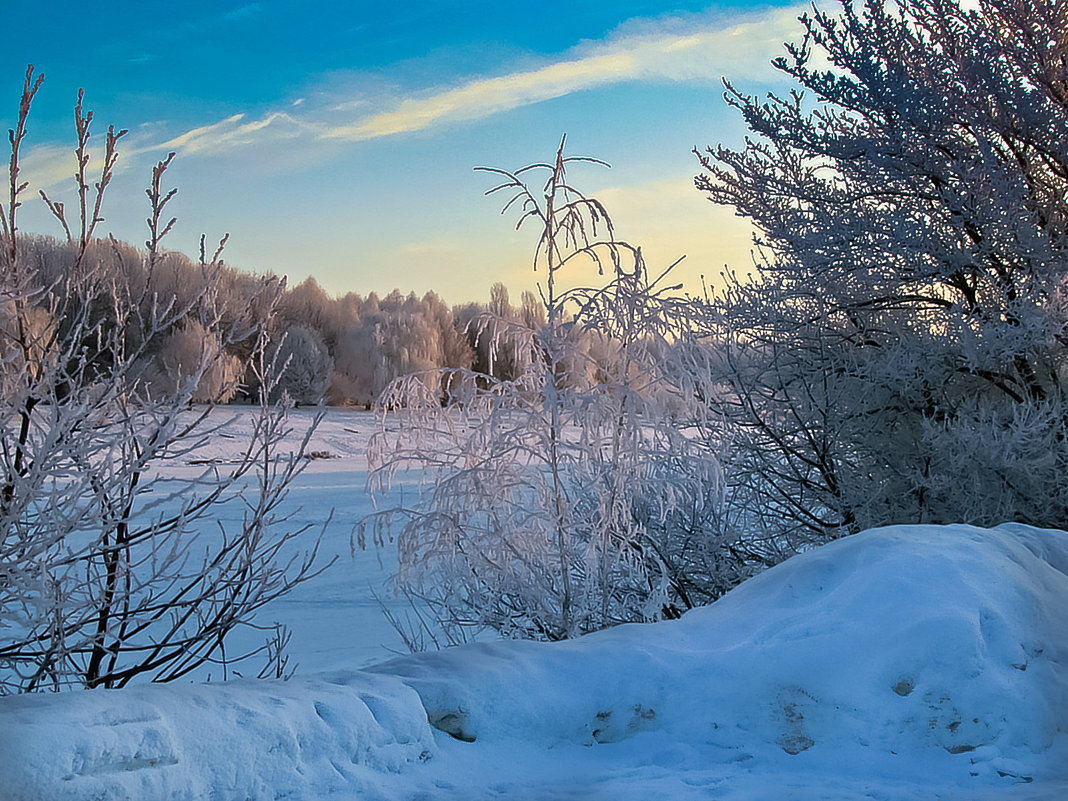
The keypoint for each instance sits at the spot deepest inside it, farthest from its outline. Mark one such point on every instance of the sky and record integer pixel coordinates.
(339, 140)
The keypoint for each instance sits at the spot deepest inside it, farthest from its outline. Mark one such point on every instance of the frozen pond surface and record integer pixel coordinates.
(336, 618)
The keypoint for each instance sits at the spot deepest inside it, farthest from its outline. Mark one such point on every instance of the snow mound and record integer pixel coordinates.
(940, 652)
(904, 662)
(241, 739)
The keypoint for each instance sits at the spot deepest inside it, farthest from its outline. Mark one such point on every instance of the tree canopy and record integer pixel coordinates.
(898, 353)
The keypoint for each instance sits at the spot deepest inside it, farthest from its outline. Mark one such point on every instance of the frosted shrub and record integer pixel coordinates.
(183, 351)
(553, 506)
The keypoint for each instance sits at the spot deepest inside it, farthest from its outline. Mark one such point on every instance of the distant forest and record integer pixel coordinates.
(340, 350)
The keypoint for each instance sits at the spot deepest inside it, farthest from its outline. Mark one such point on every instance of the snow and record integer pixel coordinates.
(242, 739)
(901, 663)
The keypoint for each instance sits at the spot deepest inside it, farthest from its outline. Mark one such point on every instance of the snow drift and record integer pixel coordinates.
(244, 739)
(902, 662)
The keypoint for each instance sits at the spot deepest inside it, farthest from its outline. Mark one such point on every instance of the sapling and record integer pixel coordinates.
(110, 570)
(552, 503)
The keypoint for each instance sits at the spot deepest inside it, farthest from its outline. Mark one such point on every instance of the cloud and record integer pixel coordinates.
(234, 132)
(45, 166)
(742, 49)
(672, 50)
(243, 12)
(484, 98)
(669, 50)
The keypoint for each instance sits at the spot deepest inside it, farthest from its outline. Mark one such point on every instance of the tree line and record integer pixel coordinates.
(342, 351)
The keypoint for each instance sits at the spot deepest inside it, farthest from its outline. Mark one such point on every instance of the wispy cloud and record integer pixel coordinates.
(484, 98)
(243, 12)
(234, 132)
(740, 49)
(671, 50)
(666, 51)
(46, 166)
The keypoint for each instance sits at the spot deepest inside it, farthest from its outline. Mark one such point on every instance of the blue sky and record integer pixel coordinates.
(339, 139)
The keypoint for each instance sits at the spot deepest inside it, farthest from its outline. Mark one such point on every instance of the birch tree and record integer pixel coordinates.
(554, 507)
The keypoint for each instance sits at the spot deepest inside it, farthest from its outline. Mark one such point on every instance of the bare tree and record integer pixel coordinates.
(108, 569)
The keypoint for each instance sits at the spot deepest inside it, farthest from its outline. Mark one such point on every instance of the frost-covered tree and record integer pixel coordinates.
(452, 347)
(182, 353)
(531, 310)
(555, 507)
(304, 365)
(106, 571)
(307, 304)
(899, 352)
(395, 336)
(498, 335)
(359, 370)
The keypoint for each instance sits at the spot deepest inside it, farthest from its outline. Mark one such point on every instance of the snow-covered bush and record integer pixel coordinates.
(555, 506)
(105, 572)
(899, 353)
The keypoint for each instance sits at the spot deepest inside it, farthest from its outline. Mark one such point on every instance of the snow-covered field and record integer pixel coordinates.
(915, 662)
